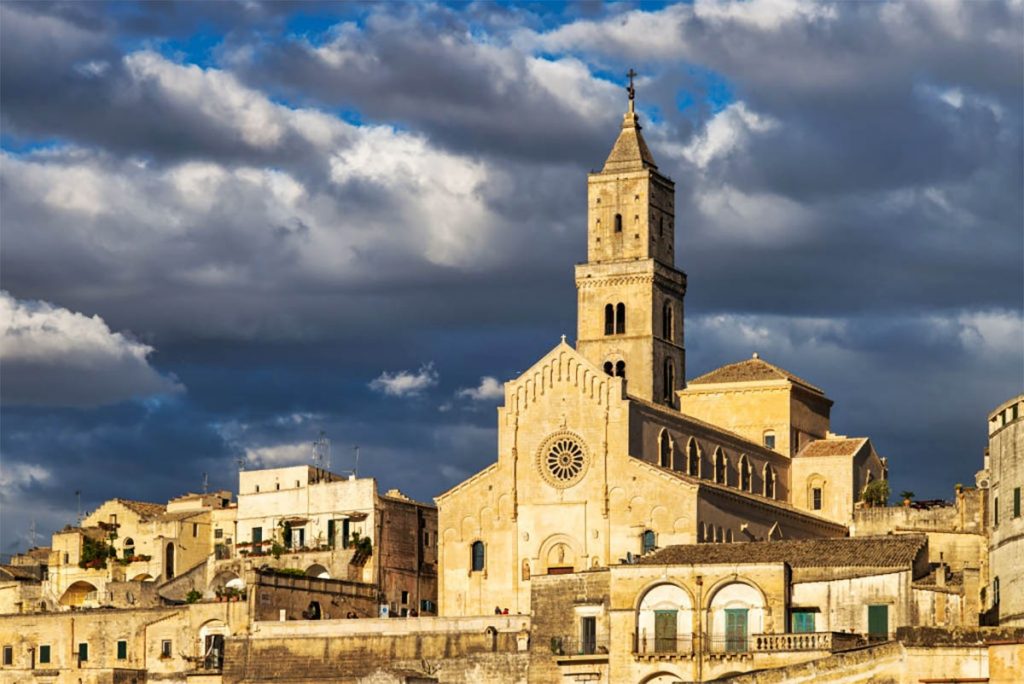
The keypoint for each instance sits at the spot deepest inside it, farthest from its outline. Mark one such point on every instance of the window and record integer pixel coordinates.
(878, 622)
(995, 591)
(122, 650)
(257, 535)
(588, 635)
(218, 534)
(478, 556)
(1016, 502)
(769, 439)
(195, 529)
(620, 370)
(427, 606)
(426, 539)
(670, 381)
(667, 327)
(609, 319)
(44, 655)
(700, 533)
(609, 368)
(769, 481)
(719, 534)
(618, 223)
(692, 459)
(405, 597)
(728, 536)
(165, 648)
(257, 489)
(8, 655)
(802, 621)
(995, 512)
(664, 450)
(816, 498)
(745, 473)
(277, 486)
(620, 318)
(721, 474)
(83, 652)
(647, 542)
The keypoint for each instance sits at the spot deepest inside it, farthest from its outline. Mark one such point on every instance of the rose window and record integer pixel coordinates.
(562, 460)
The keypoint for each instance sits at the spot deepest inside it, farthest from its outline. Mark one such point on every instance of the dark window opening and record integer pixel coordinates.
(816, 498)
(720, 467)
(647, 542)
(692, 459)
(745, 473)
(609, 319)
(664, 450)
(44, 655)
(609, 368)
(478, 556)
(165, 648)
(618, 223)
(8, 655)
(83, 652)
(667, 322)
(670, 382)
(620, 318)
(769, 440)
(1016, 502)
(620, 370)
(122, 650)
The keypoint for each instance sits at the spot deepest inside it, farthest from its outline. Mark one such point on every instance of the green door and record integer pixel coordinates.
(803, 621)
(736, 630)
(665, 631)
(878, 622)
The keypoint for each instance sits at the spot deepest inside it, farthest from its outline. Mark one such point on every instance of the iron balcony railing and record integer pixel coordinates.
(576, 646)
(646, 644)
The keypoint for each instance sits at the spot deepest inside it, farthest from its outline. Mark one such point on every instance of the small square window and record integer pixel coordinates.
(44, 655)
(218, 534)
(769, 441)
(122, 650)
(8, 655)
(165, 648)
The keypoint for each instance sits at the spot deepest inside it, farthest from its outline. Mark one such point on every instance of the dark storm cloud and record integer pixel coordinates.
(848, 184)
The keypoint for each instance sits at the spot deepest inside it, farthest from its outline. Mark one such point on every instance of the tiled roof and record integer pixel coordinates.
(143, 508)
(751, 370)
(833, 447)
(17, 572)
(885, 551)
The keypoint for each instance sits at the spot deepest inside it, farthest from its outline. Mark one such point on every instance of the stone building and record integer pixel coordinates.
(605, 454)
(702, 612)
(1004, 465)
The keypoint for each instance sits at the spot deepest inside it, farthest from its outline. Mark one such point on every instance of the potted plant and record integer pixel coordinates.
(907, 497)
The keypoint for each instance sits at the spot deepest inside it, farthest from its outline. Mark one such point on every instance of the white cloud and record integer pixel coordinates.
(278, 455)
(405, 383)
(53, 356)
(489, 389)
(727, 131)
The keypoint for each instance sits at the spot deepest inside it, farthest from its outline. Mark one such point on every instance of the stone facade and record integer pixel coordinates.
(1005, 466)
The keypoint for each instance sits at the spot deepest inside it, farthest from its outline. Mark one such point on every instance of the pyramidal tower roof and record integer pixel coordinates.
(630, 152)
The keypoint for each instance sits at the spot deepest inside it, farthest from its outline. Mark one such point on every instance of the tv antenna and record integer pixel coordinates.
(355, 449)
(322, 452)
(78, 499)
(33, 536)
(206, 483)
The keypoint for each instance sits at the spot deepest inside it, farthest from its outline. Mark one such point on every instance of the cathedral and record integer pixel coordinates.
(606, 453)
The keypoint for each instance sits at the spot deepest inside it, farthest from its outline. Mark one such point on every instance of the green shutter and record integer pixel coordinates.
(803, 621)
(665, 622)
(83, 652)
(122, 650)
(736, 630)
(330, 533)
(878, 622)
(44, 655)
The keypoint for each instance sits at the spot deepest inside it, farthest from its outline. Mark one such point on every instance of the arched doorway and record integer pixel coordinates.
(736, 611)
(319, 571)
(211, 643)
(664, 621)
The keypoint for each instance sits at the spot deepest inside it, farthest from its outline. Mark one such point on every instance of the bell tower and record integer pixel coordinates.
(629, 293)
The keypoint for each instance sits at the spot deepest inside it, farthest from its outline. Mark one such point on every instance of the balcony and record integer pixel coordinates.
(805, 641)
(577, 649)
(649, 647)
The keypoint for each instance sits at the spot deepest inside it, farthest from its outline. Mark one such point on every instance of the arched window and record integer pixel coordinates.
(129, 547)
(667, 321)
(609, 319)
(609, 368)
(745, 473)
(618, 223)
(719, 537)
(670, 381)
(728, 536)
(664, 450)
(769, 481)
(647, 542)
(692, 459)
(721, 474)
(478, 556)
(700, 533)
(620, 369)
(620, 318)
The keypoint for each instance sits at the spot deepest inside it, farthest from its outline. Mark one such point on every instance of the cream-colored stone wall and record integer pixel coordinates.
(843, 603)
(750, 409)
(1006, 547)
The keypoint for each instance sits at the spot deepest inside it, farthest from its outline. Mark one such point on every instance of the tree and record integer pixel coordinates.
(906, 494)
(876, 493)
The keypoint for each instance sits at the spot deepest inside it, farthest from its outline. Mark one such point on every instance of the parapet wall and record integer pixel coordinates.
(382, 651)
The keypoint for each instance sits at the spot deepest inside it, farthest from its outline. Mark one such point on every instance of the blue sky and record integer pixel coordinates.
(229, 226)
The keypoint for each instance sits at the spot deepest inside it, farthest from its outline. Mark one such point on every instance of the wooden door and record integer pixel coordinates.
(665, 631)
(736, 630)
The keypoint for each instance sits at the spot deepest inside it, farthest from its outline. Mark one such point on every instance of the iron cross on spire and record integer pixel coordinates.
(630, 89)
